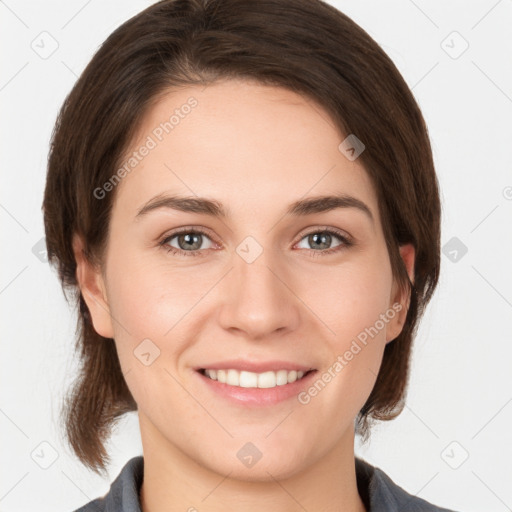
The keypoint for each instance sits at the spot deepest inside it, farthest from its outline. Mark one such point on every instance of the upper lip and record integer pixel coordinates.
(255, 367)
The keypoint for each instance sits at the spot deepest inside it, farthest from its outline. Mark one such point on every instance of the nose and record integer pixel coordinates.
(259, 299)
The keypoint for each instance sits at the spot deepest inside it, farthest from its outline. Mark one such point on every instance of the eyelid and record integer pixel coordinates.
(320, 228)
(187, 229)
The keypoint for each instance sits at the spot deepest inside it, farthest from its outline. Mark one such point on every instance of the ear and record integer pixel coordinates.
(400, 299)
(93, 290)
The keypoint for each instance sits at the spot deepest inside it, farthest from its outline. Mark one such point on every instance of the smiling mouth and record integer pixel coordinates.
(246, 379)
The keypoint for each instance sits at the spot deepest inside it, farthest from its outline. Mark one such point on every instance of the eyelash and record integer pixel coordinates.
(346, 242)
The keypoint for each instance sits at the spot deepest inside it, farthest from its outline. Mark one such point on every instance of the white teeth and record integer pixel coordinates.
(267, 380)
(281, 377)
(232, 378)
(245, 379)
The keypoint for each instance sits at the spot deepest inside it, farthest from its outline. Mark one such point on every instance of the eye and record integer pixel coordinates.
(321, 241)
(189, 242)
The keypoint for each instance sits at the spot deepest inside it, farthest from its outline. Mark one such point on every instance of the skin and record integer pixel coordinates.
(255, 149)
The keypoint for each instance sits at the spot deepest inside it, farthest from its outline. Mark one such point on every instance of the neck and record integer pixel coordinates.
(175, 481)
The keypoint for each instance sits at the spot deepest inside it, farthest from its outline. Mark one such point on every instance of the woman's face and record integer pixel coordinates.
(268, 283)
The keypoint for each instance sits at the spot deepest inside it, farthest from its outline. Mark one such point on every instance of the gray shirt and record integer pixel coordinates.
(378, 492)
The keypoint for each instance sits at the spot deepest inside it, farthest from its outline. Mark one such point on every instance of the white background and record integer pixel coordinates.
(460, 394)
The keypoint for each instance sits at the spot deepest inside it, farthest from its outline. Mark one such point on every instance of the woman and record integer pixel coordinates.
(276, 143)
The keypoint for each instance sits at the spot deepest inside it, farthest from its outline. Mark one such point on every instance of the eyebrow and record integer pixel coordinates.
(300, 208)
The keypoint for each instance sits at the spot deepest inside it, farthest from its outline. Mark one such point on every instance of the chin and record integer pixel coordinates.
(251, 464)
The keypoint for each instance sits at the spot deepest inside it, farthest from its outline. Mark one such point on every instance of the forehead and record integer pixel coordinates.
(248, 145)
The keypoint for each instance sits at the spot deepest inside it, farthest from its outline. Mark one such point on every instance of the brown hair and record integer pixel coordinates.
(306, 46)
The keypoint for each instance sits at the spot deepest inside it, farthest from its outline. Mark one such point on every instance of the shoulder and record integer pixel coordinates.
(384, 495)
(97, 505)
(123, 495)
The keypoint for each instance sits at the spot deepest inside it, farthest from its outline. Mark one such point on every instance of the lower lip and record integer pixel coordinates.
(257, 396)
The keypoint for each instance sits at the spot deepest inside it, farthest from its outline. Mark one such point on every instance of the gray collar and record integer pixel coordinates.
(378, 492)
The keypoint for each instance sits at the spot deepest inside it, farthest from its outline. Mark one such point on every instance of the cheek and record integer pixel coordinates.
(349, 298)
(156, 308)
(150, 296)
(150, 309)
(353, 301)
